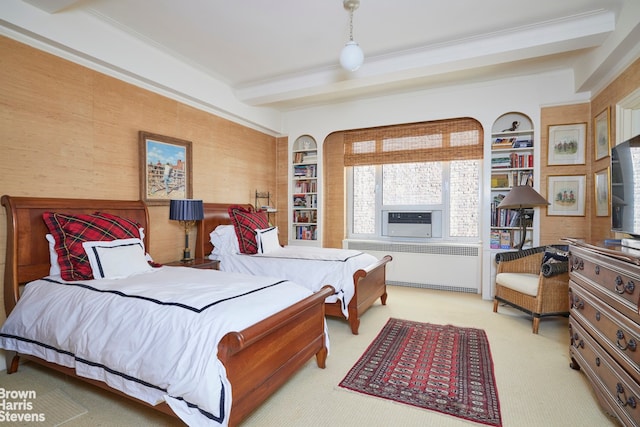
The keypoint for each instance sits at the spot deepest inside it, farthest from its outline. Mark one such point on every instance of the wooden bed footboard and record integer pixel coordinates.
(370, 284)
(258, 359)
(262, 357)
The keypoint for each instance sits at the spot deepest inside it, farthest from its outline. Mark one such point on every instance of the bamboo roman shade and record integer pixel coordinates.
(443, 140)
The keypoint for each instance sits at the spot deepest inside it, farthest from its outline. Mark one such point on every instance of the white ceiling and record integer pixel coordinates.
(284, 53)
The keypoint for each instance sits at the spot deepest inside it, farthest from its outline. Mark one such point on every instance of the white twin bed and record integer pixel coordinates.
(357, 277)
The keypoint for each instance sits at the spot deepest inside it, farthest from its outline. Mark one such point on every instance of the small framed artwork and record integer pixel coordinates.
(566, 195)
(567, 144)
(602, 132)
(165, 168)
(601, 184)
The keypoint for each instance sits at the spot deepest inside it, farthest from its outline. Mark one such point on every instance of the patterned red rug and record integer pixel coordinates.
(442, 368)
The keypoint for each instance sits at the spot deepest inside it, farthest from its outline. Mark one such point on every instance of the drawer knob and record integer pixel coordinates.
(597, 361)
(577, 264)
(597, 270)
(621, 288)
(631, 344)
(624, 400)
(576, 342)
(577, 304)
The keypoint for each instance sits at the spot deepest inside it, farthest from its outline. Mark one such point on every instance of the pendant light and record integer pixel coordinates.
(351, 57)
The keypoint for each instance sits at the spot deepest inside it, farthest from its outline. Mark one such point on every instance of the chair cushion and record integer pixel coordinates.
(525, 283)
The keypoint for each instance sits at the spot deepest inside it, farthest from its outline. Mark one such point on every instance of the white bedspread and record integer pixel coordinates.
(309, 266)
(153, 336)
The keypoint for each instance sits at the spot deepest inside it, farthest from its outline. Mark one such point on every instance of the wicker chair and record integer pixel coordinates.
(524, 283)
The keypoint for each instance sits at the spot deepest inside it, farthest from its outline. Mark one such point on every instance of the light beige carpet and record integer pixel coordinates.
(54, 408)
(535, 385)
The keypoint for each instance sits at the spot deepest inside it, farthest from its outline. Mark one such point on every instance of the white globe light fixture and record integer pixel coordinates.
(351, 57)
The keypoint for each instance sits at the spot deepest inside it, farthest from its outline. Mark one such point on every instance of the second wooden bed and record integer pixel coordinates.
(369, 282)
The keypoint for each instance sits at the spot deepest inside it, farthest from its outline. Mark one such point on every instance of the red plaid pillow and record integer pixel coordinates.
(245, 223)
(70, 231)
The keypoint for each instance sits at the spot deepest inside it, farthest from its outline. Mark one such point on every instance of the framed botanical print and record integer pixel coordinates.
(566, 195)
(566, 144)
(602, 134)
(165, 168)
(602, 196)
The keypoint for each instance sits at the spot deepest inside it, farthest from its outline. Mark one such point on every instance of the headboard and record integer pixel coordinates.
(27, 256)
(215, 214)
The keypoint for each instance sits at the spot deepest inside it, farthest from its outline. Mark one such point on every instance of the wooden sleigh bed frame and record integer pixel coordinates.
(370, 283)
(258, 359)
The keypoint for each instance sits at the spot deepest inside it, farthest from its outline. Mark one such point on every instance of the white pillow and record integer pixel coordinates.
(116, 259)
(54, 269)
(224, 240)
(267, 240)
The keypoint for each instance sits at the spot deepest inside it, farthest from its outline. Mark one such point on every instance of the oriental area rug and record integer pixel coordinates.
(441, 368)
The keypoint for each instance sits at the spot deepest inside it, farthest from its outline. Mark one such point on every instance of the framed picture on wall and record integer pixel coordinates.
(602, 134)
(566, 144)
(566, 195)
(165, 168)
(601, 185)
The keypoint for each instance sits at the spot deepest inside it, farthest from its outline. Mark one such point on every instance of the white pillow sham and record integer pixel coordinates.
(54, 268)
(224, 240)
(116, 259)
(267, 240)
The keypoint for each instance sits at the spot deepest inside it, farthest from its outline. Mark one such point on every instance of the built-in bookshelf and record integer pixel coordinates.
(512, 163)
(304, 190)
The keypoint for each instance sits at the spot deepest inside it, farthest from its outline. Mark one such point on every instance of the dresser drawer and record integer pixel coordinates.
(617, 334)
(614, 281)
(617, 391)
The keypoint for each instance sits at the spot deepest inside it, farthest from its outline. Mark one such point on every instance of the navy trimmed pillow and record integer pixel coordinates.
(245, 223)
(71, 231)
(554, 254)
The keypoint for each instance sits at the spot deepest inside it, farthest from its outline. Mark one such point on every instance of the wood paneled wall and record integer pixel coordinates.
(589, 226)
(68, 131)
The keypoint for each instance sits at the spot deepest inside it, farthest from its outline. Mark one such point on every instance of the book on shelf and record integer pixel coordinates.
(505, 240)
(500, 162)
(503, 142)
(499, 180)
(514, 220)
(523, 143)
(494, 239)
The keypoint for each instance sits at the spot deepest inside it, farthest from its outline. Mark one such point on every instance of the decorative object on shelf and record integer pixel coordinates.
(520, 198)
(601, 187)
(187, 211)
(567, 144)
(602, 132)
(351, 57)
(165, 168)
(513, 127)
(567, 195)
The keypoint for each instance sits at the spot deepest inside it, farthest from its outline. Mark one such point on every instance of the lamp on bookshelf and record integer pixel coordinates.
(519, 198)
(187, 212)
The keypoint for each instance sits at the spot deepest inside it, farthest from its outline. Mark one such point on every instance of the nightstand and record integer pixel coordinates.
(205, 263)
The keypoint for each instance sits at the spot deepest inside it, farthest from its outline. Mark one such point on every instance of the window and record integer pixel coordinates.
(430, 166)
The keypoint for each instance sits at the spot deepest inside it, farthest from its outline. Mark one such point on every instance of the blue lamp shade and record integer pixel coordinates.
(186, 210)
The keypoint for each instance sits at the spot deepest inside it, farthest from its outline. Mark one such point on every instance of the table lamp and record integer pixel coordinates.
(187, 211)
(520, 198)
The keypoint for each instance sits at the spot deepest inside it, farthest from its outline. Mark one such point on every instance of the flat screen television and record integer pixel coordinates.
(625, 187)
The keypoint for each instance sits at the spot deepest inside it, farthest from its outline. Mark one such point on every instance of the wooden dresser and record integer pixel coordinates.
(604, 323)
